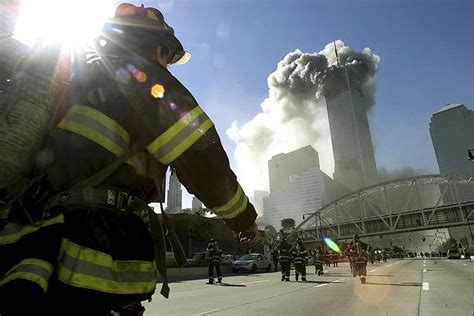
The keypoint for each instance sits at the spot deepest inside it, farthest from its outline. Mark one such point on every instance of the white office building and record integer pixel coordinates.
(452, 134)
(297, 190)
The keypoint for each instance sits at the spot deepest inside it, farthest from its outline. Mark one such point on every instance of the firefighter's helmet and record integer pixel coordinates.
(146, 25)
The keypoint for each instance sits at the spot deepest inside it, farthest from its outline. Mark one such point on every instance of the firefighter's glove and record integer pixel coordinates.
(248, 235)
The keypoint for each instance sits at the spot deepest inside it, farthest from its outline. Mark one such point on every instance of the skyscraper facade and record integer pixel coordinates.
(452, 134)
(297, 186)
(196, 204)
(175, 194)
(282, 166)
(354, 159)
(305, 193)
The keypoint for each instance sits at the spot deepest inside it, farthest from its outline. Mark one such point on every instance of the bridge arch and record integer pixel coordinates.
(396, 206)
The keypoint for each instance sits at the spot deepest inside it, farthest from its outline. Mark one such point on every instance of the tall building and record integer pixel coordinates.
(196, 205)
(452, 134)
(282, 166)
(297, 187)
(257, 201)
(354, 159)
(175, 194)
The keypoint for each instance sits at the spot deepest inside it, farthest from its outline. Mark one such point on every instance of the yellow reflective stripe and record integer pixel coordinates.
(180, 136)
(88, 268)
(174, 130)
(188, 142)
(235, 206)
(13, 232)
(103, 119)
(35, 270)
(89, 133)
(238, 211)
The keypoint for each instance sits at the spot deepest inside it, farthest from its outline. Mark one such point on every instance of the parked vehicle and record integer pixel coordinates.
(227, 260)
(454, 254)
(252, 262)
(197, 259)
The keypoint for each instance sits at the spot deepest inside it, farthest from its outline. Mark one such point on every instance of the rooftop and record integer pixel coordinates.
(447, 107)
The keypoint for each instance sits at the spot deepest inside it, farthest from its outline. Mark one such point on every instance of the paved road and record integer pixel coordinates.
(398, 287)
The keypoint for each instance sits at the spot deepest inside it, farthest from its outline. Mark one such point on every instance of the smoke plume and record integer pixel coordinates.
(294, 113)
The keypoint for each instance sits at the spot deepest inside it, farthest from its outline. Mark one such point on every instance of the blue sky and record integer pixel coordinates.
(426, 51)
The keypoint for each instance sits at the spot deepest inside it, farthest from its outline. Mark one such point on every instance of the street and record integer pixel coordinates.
(397, 287)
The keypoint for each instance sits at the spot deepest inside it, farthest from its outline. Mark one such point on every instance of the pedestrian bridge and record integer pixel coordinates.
(402, 205)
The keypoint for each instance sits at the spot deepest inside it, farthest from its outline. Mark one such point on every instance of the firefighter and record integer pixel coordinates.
(90, 250)
(284, 250)
(358, 256)
(318, 261)
(213, 254)
(274, 255)
(300, 257)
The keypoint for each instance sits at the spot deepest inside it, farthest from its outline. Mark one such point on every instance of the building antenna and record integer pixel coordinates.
(337, 56)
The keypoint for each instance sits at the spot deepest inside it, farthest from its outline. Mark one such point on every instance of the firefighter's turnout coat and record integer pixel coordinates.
(100, 252)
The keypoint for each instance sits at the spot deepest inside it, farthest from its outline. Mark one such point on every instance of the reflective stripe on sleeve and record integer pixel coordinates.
(87, 268)
(104, 131)
(236, 205)
(32, 269)
(13, 232)
(178, 138)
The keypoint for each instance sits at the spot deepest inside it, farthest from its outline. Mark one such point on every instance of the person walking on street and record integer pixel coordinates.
(275, 256)
(284, 250)
(214, 255)
(300, 257)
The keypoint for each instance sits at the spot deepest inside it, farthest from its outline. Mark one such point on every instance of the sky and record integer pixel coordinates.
(424, 53)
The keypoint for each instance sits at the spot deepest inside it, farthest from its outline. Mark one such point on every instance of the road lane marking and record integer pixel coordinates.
(464, 264)
(321, 285)
(424, 270)
(426, 286)
(252, 282)
(208, 312)
(372, 270)
(338, 280)
(335, 281)
(388, 265)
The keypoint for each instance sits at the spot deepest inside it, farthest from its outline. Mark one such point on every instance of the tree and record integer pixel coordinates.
(288, 225)
(451, 243)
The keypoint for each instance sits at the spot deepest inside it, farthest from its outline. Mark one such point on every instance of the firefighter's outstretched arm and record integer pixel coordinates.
(180, 134)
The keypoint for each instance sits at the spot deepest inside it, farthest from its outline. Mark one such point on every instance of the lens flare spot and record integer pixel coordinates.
(140, 75)
(122, 76)
(158, 91)
(331, 244)
(131, 68)
(173, 106)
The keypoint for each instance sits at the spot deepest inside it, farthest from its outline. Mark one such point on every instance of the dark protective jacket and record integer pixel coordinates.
(285, 252)
(299, 254)
(358, 251)
(213, 253)
(103, 255)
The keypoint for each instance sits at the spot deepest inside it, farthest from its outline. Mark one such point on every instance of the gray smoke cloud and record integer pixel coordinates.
(294, 113)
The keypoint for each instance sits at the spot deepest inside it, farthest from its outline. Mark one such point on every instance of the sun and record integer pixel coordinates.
(71, 22)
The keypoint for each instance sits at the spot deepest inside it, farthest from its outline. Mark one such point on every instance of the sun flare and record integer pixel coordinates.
(72, 22)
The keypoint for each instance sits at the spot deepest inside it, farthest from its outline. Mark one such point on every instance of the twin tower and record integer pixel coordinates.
(347, 106)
